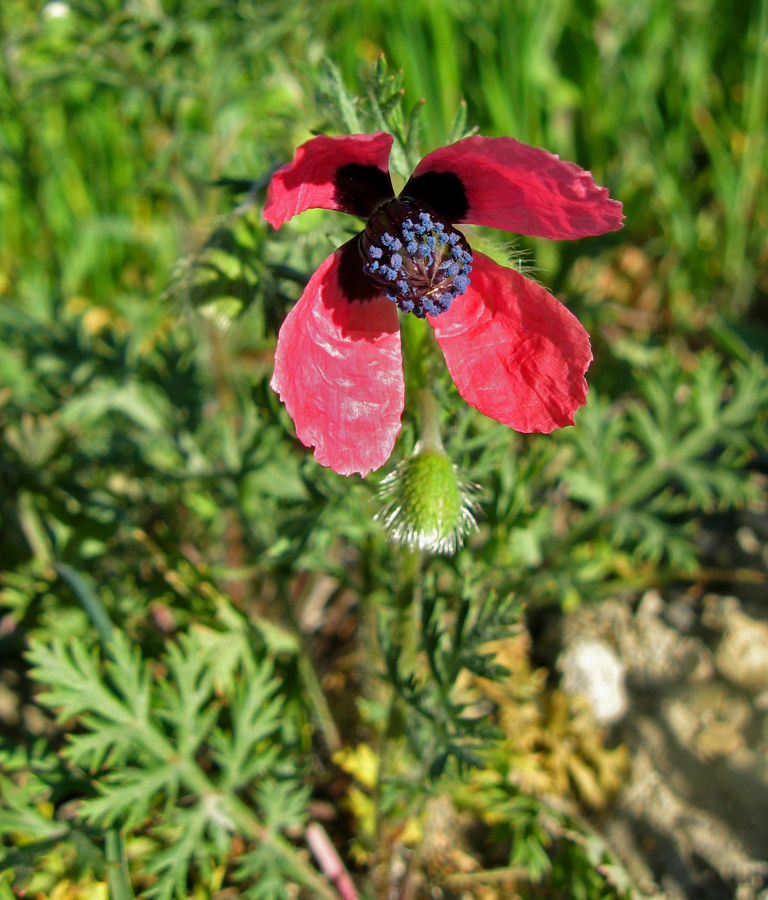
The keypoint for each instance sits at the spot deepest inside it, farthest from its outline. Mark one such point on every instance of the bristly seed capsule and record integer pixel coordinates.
(415, 257)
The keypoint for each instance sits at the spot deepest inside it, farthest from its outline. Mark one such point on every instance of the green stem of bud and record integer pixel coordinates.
(429, 423)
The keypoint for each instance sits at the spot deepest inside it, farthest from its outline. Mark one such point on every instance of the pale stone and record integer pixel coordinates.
(592, 668)
(742, 655)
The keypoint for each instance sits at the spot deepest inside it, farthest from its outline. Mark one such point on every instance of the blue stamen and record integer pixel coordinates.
(461, 283)
(428, 261)
(392, 243)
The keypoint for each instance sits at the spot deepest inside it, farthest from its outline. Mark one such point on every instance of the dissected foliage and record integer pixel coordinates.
(161, 749)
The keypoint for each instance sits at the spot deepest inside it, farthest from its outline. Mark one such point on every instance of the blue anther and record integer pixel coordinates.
(461, 255)
(449, 269)
(375, 252)
(461, 283)
(396, 261)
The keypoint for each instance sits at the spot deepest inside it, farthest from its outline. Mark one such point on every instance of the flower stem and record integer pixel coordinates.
(408, 604)
(414, 335)
(289, 857)
(314, 692)
(330, 861)
(429, 422)
(118, 878)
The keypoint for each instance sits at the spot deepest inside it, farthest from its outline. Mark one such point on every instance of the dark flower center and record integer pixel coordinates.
(414, 257)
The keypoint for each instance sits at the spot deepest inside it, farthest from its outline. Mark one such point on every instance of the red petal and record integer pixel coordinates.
(518, 188)
(514, 351)
(339, 371)
(349, 173)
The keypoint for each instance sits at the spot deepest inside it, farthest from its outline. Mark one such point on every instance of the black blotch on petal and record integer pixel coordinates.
(441, 191)
(360, 189)
(354, 283)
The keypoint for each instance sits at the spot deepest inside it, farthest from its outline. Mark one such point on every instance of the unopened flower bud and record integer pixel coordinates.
(428, 506)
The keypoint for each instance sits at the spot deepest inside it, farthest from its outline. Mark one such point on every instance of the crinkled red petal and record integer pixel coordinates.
(339, 371)
(349, 173)
(524, 189)
(514, 351)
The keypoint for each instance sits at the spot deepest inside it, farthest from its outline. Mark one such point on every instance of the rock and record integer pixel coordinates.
(718, 740)
(742, 655)
(592, 668)
(654, 654)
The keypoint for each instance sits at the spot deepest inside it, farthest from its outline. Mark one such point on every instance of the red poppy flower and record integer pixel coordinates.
(514, 352)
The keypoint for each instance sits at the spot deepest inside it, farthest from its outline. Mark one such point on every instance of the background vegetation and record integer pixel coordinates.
(202, 630)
